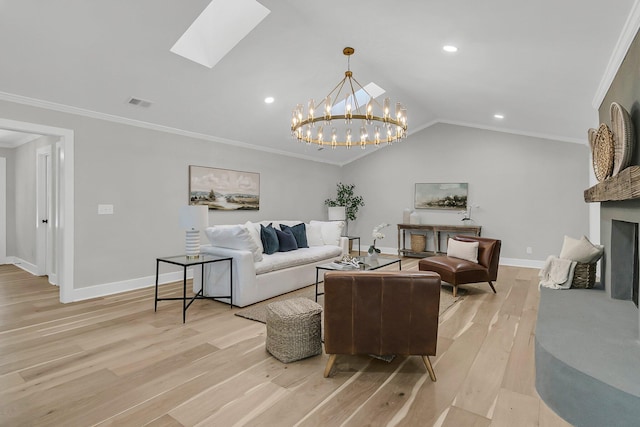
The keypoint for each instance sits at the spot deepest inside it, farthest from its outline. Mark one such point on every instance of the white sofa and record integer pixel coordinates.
(258, 276)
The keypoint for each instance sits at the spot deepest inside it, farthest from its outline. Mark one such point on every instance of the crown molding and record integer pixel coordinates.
(628, 33)
(19, 99)
(33, 102)
(515, 132)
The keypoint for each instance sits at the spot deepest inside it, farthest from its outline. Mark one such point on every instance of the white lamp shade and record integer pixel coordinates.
(337, 213)
(194, 217)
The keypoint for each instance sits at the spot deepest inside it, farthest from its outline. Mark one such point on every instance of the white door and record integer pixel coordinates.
(44, 219)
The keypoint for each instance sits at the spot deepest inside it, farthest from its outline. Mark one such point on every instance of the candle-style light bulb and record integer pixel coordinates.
(299, 112)
(347, 109)
(312, 108)
(320, 140)
(386, 109)
(369, 110)
(327, 108)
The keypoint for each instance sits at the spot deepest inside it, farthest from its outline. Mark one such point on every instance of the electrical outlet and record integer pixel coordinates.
(529, 250)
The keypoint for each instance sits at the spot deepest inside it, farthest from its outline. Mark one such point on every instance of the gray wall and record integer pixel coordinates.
(143, 173)
(625, 89)
(529, 190)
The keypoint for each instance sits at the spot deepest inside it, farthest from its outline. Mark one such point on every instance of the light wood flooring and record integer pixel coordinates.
(113, 361)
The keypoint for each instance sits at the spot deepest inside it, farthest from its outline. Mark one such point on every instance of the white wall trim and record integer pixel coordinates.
(152, 126)
(513, 262)
(526, 263)
(628, 33)
(65, 219)
(19, 99)
(582, 141)
(105, 289)
(25, 265)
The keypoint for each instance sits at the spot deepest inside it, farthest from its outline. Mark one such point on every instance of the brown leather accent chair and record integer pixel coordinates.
(381, 313)
(458, 271)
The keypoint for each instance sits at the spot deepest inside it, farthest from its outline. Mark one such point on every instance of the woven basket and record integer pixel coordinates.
(584, 275)
(418, 242)
(294, 329)
(602, 152)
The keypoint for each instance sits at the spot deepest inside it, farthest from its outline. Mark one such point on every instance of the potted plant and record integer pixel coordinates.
(346, 197)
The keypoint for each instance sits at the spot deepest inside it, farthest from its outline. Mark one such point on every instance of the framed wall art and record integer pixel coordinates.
(441, 196)
(224, 189)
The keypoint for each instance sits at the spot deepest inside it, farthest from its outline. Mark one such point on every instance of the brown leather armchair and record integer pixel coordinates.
(458, 271)
(381, 313)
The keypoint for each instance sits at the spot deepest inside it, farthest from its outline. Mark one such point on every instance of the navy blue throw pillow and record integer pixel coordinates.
(269, 239)
(299, 232)
(286, 241)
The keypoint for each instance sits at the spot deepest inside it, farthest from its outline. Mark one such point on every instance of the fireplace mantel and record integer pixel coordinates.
(624, 186)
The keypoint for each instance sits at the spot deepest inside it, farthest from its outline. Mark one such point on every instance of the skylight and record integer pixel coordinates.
(361, 97)
(220, 26)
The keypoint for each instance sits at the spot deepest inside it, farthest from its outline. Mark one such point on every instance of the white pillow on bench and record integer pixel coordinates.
(234, 237)
(463, 250)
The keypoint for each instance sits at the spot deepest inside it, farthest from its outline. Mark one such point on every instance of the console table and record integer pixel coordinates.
(435, 230)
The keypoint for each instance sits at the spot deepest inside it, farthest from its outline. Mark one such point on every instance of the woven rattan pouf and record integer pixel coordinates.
(293, 329)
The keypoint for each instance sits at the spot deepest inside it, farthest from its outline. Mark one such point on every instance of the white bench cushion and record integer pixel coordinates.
(281, 260)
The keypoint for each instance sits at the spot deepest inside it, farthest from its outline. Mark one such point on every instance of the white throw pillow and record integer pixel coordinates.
(233, 237)
(463, 250)
(254, 232)
(314, 234)
(331, 231)
(581, 250)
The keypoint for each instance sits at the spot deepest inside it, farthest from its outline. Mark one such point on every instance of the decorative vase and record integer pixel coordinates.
(414, 218)
(373, 255)
(406, 216)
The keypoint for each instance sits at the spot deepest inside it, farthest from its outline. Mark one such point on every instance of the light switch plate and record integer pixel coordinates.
(105, 209)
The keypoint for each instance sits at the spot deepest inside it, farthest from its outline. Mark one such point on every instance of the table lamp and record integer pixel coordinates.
(337, 213)
(193, 219)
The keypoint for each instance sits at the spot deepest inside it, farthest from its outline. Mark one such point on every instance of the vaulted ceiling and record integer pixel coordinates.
(539, 63)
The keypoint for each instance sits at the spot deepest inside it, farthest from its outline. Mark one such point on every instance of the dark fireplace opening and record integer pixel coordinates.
(624, 260)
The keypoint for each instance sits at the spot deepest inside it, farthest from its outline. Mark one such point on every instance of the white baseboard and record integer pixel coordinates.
(26, 266)
(514, 262)
(526, 263)
(105, 289)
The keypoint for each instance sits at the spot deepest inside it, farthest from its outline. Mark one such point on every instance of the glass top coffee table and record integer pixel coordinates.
(366, 264)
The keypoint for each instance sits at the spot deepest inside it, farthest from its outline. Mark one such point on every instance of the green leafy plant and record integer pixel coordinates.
(346, 197)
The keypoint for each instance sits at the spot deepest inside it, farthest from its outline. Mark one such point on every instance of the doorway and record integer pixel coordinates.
(57, 253)
(45, 214)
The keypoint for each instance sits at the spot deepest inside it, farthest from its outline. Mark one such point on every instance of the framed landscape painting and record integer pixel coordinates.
(441, 196)
(224, 189)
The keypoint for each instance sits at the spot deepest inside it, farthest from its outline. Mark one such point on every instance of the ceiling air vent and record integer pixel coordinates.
(139, 102)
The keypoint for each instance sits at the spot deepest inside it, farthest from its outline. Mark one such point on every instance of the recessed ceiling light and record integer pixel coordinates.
(269, 99)
(450, 48)
(498, 116)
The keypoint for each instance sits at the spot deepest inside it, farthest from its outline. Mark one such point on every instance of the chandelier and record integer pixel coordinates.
(322, 123)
